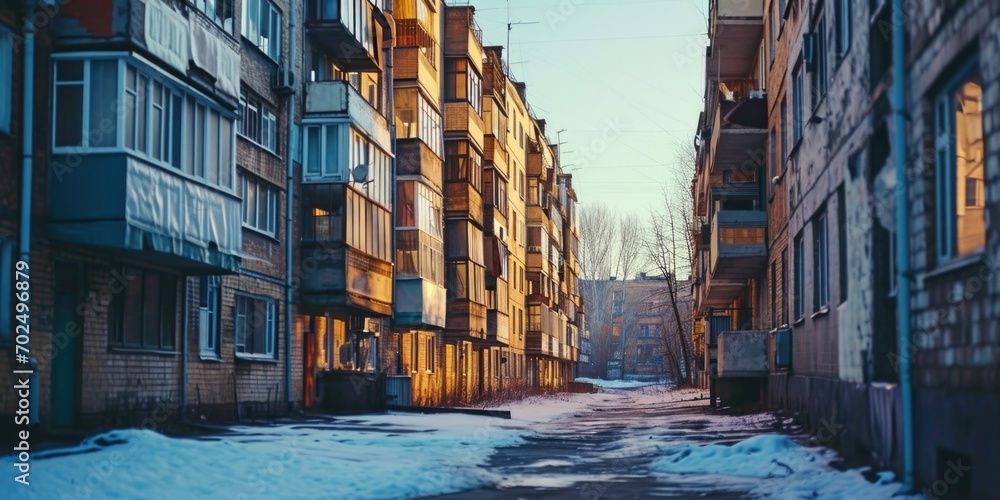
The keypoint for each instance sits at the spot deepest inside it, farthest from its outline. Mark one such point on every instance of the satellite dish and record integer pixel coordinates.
(360, 173)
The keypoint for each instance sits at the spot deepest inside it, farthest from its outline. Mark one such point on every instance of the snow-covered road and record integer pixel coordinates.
(623, 442)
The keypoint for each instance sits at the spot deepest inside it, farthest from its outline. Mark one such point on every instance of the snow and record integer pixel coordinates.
(665, 433)
(783, 468)
(617, 384)
(375, 456)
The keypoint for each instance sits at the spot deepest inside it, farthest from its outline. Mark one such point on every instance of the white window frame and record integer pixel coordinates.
(256, 11)
(251, 218)
(241, 324)
(208, 316)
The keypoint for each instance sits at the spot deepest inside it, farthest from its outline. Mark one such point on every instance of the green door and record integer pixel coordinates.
(65, 370)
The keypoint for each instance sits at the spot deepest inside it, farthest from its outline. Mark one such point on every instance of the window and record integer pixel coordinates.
(91, 88)
(429, 352)
(783, 279)
(463, 83)
(772, 40)
(959, 168)
(145, 317)
(800, 277)
(466, 281)
(262, 26)
(842, 236)
(772, 147)
(417, 119)
(6, 77)
(783, 124)
(821, 262)
(842, 25)
(258, 123)
(797, 104)
(463, 163)
(260, 205)
(219, 11)
(774, 294)
(818, 82)
(210, 298)
(6, 290)
(254, 327)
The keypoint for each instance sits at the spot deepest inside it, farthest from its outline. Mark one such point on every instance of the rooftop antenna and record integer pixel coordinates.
(510, 25)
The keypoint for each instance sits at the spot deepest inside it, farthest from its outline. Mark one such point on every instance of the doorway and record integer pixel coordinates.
(65, 360)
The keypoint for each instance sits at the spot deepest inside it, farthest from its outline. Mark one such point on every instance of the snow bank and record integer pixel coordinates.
(783, 469)
(617, 384)
(380, 456)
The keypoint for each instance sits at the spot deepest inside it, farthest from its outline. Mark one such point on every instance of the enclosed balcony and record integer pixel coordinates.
(348, 31)
(736, 28)
(360, 101)
(738, 252)
(497, 328)
(420, 303)
(130, 207)
(345, 251)
(141, 183)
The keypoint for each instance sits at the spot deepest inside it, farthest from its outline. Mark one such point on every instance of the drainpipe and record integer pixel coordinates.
(290, 200)
(185, 323)
(27, 168)
(902, 238)
(390, 113)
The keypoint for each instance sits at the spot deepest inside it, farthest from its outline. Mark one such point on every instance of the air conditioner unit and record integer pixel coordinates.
(284, 81)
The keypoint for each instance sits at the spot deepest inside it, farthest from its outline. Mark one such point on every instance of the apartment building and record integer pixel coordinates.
(420, 302)
(346, 274)
(194, 256)
(829, 296)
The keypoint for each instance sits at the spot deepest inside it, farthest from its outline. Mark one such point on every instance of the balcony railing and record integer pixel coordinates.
(411, 33)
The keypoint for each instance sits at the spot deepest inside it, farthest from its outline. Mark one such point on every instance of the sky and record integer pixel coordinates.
(624, 78)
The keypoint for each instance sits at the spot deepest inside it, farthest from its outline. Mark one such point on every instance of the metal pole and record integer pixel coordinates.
(902, 236)
(290, 198)
(27, 170)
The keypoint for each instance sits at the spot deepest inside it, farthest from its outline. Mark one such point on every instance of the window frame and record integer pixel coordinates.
(118, 336)
(257, 122)
(821, 261)
(945, 167)
(217, 16)
(798, 294)
(209, 301)
(254, 33)
(270, 227)
(270, 320)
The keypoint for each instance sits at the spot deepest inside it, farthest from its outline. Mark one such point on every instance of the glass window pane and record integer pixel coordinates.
(212, 159)
(69, 126)
(313, 159)
(226, 153)
(176, 141)
(330, 165)
(970, 175)
(103, 126)
(140, 120)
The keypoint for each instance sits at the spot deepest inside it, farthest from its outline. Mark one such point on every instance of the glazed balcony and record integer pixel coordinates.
(336, 99)
(348, 31)
(497, 328)
(461, 118)
(466, 320)
(735, 31)
(348, 237)
(738, 252)
(420, 303)
(415, 157)
(130, 207)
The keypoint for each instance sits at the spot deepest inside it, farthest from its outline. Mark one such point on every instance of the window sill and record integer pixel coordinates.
(209, 358)
(137, 350)
(799, 321)
(823, 311)
(262, 233)
(955, 265)
(250, 358)
(261, 146)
